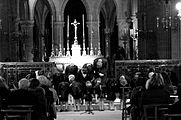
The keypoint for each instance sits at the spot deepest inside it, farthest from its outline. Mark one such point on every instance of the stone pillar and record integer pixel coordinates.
(107, 40)
(123, 35)
(27, 34)
(58, 37)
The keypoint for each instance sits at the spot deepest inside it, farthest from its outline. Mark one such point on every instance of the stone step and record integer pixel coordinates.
(94, 107)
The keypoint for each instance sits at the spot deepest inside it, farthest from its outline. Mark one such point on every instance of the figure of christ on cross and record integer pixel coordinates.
(75, 23)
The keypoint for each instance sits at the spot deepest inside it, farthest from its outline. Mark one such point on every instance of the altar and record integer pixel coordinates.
(77, 60)
(75, 55)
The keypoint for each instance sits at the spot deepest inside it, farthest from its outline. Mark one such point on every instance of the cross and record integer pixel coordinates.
(75, 23)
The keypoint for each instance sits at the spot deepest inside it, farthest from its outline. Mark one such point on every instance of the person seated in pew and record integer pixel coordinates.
(22, 95)
(41, 105)
(156, 94)
(175, 108)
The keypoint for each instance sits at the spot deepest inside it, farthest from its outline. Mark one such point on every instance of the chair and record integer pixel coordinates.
(153, 112)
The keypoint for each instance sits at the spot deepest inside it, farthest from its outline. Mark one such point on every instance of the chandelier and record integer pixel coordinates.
(168, 21)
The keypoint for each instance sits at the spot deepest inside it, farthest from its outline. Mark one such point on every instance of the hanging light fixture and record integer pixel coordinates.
(166, 21)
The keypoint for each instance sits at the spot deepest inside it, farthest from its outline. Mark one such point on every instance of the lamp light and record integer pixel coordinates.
(178, 7)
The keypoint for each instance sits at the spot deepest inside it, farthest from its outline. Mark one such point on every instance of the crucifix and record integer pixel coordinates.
(75, 23)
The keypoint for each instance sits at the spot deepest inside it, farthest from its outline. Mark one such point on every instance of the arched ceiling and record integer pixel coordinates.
(109, 12)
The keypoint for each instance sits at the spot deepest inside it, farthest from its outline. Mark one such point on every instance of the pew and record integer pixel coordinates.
(172, 116)
(18, 111)
(154, 111)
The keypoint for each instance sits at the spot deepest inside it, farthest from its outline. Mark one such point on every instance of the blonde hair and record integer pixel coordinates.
(44, 80)
(23, 83)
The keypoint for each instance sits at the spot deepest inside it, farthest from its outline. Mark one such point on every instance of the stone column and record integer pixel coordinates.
(27, 34)
(123, 34)
(107, 39)
(58, 37)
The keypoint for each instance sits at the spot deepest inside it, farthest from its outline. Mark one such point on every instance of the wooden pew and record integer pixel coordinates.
(152, 111)
(172, 116)
(18, 111)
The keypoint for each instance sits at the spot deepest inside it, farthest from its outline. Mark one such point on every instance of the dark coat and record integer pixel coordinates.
(21, 97)
(156, 96)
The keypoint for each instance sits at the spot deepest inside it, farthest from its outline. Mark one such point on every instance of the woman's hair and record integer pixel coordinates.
(34, 83)
(166, 78)
(156, 81)
(44, 80)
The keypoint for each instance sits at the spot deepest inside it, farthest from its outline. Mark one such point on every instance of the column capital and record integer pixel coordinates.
(27, 22)
(59, 23)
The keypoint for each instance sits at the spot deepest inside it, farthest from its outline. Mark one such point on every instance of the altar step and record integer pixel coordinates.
(95, 106)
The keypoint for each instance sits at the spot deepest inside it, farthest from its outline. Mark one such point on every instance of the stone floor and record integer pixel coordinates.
(98, 115)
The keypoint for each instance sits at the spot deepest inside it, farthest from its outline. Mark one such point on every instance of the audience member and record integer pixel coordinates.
(22, 96)
(41, 104)
(45, 84)
(156, 92)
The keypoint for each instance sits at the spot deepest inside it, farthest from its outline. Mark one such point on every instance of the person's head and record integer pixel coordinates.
(43, 80)
(123, 80)
(150, 75)
(71, 78)
(99, 63)
(88, 84)
(84, 69)
(23, 83)
(156, 81)
(34, 83)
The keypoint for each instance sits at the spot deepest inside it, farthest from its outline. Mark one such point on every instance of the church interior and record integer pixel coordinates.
(38, 30)
(127, 35)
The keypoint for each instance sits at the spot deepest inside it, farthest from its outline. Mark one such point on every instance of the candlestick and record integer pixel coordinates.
(52, 52)
(99, 48)
(91, 47)
(67, 26)
(84, 52)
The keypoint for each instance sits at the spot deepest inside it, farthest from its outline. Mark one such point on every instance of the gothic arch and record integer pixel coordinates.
(65, 3)
(32, 5)
(98, 6)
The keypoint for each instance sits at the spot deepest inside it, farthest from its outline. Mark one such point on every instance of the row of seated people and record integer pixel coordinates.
(155, 89)
(35, 92)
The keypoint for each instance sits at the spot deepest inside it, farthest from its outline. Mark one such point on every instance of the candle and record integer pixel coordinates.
(67, 26)
(83, 32)
(52, 36)
(98, 35)
(91, 31)
(83, 25)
